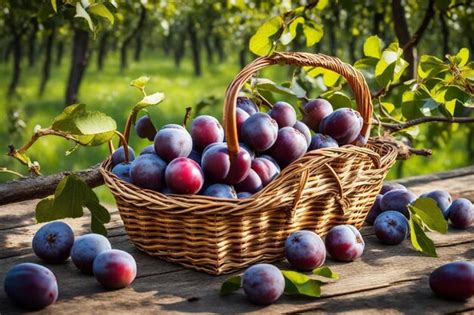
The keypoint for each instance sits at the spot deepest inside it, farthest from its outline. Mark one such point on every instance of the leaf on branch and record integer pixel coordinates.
(462, 57)
(391, 65)
(263, 41)
(373, 47)
(71, 196)
(431, 66)
(89, 127)
(140, 83)
(149, 100)
(290, 33)
(330, 78)
(299, 284)
(101, 10)
(313, 32)
(230, 285)
(262, 84)
(82, 13)
(54, 5)
(338, 99)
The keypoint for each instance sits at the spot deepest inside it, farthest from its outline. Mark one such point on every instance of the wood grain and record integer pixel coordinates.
(385, 279)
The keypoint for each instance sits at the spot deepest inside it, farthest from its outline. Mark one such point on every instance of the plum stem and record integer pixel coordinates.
(187, 115)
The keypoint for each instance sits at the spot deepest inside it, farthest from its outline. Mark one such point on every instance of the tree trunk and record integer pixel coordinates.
(445, 32)
(195, 47)
(32, 44)
(209, 50)
(101, 54)
(47, 61)
(126, 42)
(403, 35)
(138, 47)
(243, 57)
(378, 19)
(8, 51)
(332, 30)
(59, 53)
(16, 72)
(79, 60)
(218, 45)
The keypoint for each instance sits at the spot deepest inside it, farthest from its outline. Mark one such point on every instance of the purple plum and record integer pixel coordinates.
(461, 213)
(305, 250)
(453, 281)
(397, 200)
(344, 243)
(86, 248)
(263, 284)
(114, 269)
(391, 227)
(53, 242)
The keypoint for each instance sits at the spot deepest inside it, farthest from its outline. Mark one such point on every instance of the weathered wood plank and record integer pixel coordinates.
(385, 278)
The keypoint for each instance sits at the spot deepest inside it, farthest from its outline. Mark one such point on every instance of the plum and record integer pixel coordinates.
(320, 141)
(344, 243)
(216, 164)
(397, 200)
(289, 146)
(305, 250)
(252, 183)
(453, 281)
(284, 114)
(114, 269)
(248, 149)
(391, 227)
(259, 132)
(205, 130)
(86, 248)
(122, 171)
(247, 105)
(220, 191)
(145, 129)
(374, 210)
(118, 156)
(443, 199)
(31, 286)
(173, 141)
(53, 242)
(241, 116)
(243, 195)
(315, 111)
(148, 171)
(391, 186)
(263, 284)
(195, 156)
(461, 213)
(344, 125)
(184, 176)
(301, 127)
(266, 168)
(149, 149)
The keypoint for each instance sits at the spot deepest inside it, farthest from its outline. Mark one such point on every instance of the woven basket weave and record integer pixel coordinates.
(321, 189)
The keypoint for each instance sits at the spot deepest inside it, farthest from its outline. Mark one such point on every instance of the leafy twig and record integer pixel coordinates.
(394, 127)
(6, 170)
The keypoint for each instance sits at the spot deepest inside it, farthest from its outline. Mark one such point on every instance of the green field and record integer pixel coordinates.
(109, 91)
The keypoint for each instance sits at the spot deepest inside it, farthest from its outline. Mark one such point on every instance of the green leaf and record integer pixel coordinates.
(431, 66)
(82, 13)
(262, 42)
(330, 77)
(90, 127)
(290, 33)
(140, 83)
(462, 57)
(338, 99)
(299, 284)
(313, 32)
(150, 100)
(262, 84)
(373, 47)
(366, 63)
(101, 10)
(419, 240)
(71, 196)
(326, 272)
(230, 285)
(322, 4)
(54, 5)
(431, 215)
(389, 107)
(384, 73)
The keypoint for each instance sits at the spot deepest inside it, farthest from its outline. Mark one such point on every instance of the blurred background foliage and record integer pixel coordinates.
(58, 52)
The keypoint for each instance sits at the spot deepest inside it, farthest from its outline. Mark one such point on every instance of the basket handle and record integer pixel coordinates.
(301, 59)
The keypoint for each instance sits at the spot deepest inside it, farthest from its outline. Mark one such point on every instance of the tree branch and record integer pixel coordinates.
(43, 186)
(393, 127)
(416, 37)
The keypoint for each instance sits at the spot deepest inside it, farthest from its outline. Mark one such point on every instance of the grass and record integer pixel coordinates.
(109, 91)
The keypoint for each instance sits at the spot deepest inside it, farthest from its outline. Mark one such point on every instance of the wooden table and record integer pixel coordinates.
(385, 279)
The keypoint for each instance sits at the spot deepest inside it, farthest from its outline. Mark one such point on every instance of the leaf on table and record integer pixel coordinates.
(326, 272)
(430, 214)
(230, 285)
(419, 240)
(299, 284)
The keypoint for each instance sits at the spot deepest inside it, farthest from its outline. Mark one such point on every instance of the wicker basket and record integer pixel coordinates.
(321, 189)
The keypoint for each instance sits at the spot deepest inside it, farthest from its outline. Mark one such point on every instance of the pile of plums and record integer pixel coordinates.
(34, 287)
(305, 250)
(198, 162)
(389, 214)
